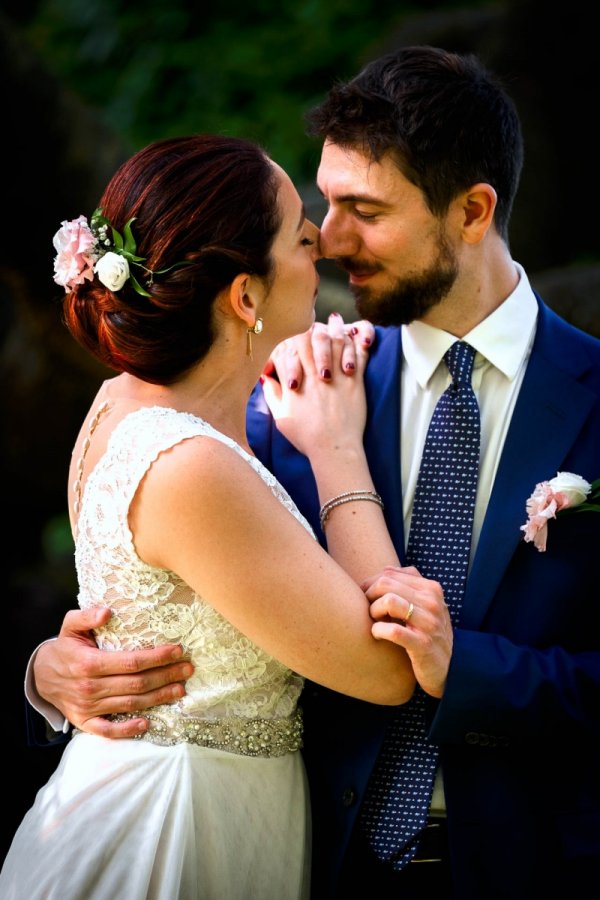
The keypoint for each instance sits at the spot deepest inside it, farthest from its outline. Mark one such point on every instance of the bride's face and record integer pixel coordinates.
(290, 305)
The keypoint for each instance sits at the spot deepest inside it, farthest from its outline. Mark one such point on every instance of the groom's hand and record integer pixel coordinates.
(86, 683)
(410, 610)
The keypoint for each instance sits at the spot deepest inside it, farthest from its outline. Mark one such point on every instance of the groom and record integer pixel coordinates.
(420, 165)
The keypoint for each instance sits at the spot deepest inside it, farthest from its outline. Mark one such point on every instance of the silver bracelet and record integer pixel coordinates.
(347, 497)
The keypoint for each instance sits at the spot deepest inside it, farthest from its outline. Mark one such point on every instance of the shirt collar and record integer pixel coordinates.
(503, 337)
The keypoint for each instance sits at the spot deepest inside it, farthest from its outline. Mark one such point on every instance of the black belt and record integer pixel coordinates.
(433, 843)
(429, 870)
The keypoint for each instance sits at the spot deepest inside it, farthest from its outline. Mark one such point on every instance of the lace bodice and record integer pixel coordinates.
(152, 606)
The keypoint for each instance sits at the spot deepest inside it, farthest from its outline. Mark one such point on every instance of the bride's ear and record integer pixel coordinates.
(243, 298)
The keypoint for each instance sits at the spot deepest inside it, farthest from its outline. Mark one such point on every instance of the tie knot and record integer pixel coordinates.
(459, 359)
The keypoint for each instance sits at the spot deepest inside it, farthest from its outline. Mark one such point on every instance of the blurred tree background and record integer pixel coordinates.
(163, 69)
(87, 82)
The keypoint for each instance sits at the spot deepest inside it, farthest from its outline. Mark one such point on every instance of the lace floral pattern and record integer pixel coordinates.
(151, 606)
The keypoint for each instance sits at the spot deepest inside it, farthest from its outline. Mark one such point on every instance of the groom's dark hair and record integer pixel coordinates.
(444, 118)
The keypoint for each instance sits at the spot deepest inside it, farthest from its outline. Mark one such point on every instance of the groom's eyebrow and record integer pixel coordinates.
(359, 198)
(362, 198)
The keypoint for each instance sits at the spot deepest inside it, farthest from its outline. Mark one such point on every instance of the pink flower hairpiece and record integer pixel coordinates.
(564, 493)
(75, 246)
(84, 250)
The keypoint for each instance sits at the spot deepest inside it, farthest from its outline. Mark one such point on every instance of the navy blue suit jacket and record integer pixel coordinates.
(519, 722)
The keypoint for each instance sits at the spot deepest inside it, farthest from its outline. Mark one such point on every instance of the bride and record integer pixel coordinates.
(197, 263)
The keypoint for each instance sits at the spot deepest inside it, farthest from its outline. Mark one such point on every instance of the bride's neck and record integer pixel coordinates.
(218, 396)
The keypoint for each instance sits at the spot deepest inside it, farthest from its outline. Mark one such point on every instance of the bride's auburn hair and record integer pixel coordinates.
(207, 201)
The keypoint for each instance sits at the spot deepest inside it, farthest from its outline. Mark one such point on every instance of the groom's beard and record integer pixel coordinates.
(409, 298)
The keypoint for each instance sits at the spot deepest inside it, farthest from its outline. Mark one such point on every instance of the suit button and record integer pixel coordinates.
(348, 797)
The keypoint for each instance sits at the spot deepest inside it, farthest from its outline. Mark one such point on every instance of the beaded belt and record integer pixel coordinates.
(247, 737)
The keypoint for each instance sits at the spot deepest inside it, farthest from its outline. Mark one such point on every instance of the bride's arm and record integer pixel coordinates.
(205, 514)
(325, 420)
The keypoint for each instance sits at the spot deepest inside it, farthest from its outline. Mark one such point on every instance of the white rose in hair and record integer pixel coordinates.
(112, 270)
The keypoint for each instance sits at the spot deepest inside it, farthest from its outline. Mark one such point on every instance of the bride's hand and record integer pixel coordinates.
(285, 363)
(321, 415)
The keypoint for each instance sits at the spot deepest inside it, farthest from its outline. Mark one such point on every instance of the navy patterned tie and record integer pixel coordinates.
(399, 794)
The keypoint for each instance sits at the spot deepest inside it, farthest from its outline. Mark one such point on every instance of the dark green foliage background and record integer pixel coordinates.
(252, 69)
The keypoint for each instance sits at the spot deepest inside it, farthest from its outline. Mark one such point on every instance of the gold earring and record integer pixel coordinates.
(255, 329)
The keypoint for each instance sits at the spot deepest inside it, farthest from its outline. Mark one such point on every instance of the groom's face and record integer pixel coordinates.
(378, 227)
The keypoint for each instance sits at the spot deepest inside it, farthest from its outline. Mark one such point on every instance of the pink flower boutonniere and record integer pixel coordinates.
(564, 493)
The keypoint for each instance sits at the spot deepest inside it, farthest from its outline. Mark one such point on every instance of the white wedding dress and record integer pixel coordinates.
(212, 803)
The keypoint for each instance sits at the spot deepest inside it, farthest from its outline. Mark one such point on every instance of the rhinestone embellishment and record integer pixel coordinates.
(247, 737)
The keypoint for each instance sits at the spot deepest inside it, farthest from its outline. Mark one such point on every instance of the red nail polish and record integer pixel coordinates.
(262, 379)
(325, 373)
(292, 384)
(350, 366)
(367, 341)
(354, 330)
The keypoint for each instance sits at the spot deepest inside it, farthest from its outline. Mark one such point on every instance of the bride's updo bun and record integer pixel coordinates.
(204, 208)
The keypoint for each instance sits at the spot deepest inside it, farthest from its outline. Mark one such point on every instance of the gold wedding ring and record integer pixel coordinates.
(411, 610)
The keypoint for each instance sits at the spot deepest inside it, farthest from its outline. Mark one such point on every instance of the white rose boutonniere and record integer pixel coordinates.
(564, 493)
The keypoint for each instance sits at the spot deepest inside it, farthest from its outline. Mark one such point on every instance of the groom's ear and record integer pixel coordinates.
(477, 211)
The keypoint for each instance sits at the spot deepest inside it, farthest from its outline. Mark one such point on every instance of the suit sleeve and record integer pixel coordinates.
(45, 725)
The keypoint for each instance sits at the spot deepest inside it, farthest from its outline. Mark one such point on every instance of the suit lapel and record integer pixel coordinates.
(550, 411)
(382, 432)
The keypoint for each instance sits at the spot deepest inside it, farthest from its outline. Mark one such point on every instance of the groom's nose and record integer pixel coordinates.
(338, 235)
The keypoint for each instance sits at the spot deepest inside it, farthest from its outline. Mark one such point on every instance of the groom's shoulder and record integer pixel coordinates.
(553, 325)
(387, 346)
(388, 338)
